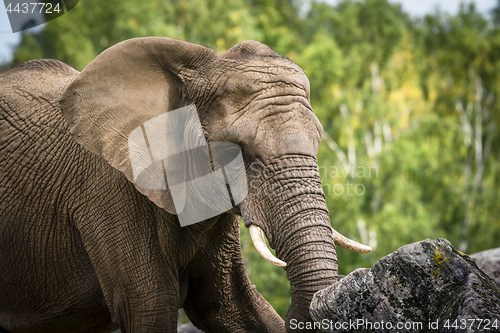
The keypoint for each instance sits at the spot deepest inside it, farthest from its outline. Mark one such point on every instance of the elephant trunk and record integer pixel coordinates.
(309, 252)
(286, 200)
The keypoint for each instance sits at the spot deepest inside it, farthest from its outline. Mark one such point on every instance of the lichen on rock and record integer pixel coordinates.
(426, 286)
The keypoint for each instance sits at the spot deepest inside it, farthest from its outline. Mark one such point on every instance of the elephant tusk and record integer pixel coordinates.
(349, 244)
(257, 235)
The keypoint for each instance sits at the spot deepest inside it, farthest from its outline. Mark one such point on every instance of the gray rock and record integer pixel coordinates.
(489, 262)
(422, 287)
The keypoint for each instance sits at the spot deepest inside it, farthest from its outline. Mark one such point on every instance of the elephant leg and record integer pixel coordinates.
(140, 313)
(140, 286)
(3, 330)
(142, 300)
(220, 296)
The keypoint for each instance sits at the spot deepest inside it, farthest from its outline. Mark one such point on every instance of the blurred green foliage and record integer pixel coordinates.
(410, 104)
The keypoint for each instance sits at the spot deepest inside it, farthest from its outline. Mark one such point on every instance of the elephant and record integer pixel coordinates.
(85, 248)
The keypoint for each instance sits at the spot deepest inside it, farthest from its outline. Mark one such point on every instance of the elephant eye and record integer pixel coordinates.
(246, 158)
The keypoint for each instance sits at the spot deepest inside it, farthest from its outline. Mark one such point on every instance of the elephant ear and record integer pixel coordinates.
(252, 47)
(122, 89)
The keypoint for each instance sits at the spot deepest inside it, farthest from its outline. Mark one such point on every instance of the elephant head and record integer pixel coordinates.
(249, 96)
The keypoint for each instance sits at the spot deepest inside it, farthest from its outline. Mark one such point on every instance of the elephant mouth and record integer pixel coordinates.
(287, 194)
(287, 206)
(258, 238)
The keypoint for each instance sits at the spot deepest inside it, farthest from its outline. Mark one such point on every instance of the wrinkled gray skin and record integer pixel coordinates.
(82, 249)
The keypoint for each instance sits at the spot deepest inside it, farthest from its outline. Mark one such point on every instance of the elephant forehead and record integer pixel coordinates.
(260, 76)
(274, 127)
